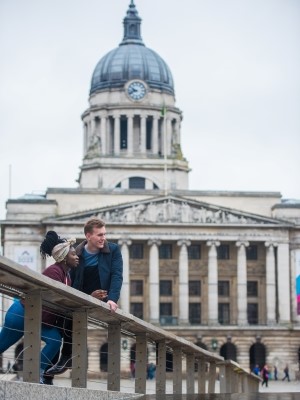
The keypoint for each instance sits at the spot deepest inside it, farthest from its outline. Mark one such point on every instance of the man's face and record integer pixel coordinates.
(96, 239)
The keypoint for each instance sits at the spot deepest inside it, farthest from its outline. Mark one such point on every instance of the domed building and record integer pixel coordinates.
(128, 143)
(218, 268)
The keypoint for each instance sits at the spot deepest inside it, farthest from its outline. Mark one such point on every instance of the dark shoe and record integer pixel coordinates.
(64, 363)
(47, 379)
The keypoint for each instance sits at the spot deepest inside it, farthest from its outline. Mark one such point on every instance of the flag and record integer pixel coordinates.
(163, 111)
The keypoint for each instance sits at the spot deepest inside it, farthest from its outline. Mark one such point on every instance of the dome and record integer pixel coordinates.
(132, 60)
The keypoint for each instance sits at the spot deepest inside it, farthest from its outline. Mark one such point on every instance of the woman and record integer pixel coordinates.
(265, 375)
(65, 257)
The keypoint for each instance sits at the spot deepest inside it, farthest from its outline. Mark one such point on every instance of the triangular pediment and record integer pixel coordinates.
(170, 210)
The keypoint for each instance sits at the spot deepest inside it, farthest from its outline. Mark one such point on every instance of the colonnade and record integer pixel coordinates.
(104, 132)
(275, 298)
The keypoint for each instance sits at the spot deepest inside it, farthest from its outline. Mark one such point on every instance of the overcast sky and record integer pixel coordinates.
(235, 64)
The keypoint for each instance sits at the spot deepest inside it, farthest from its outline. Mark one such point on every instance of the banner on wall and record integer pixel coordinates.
(298, 280)
(26, 255)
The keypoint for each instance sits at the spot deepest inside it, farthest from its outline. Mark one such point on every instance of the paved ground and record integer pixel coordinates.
(281, 387)
(127, 386)
(276, 390)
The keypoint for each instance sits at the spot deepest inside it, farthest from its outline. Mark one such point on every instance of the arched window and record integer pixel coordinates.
(228, 351)
(132, 353)
(257, 355)
(199, 343)
(169, 359)
(103, 357)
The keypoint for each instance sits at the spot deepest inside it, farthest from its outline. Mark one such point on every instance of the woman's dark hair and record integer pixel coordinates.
(50, 241)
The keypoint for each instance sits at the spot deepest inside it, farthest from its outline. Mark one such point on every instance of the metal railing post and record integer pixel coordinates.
(190, 373)
(79, 349)
(177, 370)
(114, 357)
(141, 363)
(32, 337)
(212, 377)
(201, 376)
(161, 368)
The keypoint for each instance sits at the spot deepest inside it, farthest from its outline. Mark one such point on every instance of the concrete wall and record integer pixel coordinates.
(33, 391)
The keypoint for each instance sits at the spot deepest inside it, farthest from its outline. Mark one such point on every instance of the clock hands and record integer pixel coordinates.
(136, 90)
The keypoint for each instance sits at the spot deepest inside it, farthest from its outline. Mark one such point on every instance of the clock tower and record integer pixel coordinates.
(132, 127)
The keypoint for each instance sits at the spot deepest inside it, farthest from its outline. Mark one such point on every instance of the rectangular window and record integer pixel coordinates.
(252, 313)
(137, 309)
(251, 252)
(165, 309)
(137, 182)
(223, 252)
(195, 313)
(136, 288)
(252, 288)
(165, 251)
(194, 288)
(136, 251)
(223, 288)
(165, 288)
(194, 252)
(224, 313)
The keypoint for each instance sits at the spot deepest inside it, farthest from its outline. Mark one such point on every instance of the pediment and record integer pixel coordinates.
(170, 210)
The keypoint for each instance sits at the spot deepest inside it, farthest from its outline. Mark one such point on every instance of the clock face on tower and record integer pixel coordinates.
(136, 90)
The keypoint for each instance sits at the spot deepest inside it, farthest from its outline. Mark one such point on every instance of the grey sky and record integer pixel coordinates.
(236, 68)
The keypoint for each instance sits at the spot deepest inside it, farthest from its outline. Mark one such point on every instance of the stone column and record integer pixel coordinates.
(155, 145)
(242, 318)
(178, 133)
(117, 135)
(143, 135)
(125, 291)
(85, 138)
(164, 136)
(283, 279)
(130, 134)
(103, 134)
(183, 296)
(270, 283)
(212, 283)
(154, 281)
(92, 130)
(169, 136)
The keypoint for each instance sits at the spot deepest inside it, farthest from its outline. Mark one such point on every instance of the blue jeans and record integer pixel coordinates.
(13, 330)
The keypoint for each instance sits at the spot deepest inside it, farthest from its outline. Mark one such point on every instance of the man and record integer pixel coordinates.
(99, 273)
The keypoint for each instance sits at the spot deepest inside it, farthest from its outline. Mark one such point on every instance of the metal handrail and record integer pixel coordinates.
(38, 289)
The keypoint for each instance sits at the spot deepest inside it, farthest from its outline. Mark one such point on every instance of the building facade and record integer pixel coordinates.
(218, 268)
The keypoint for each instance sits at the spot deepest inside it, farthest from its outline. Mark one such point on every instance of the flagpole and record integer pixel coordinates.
(165, 151)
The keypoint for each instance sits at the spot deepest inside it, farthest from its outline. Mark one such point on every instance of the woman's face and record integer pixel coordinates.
(72, 259)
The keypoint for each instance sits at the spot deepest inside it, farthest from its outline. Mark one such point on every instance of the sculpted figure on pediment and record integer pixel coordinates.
(151, 213)
(186, 213)
(199, 215)
(133, 214)
(171, 211)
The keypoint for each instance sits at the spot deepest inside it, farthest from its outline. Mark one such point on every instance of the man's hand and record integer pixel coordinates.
(113, 306)
(99, 294)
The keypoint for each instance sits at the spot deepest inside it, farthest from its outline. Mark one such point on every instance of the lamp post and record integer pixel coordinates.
(214, 344)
